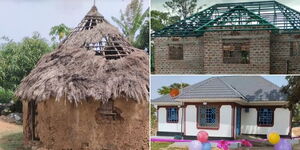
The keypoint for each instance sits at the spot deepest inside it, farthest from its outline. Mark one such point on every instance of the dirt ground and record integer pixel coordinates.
(11, 136)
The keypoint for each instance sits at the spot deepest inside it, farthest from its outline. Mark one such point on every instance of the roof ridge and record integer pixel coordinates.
(250, 14)
(194, 85)
(270, 82)
(236, 91)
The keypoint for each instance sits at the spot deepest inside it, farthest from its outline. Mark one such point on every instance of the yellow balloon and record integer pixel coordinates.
(274, 138)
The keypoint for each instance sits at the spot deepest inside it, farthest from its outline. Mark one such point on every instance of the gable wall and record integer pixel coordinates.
(192, 62)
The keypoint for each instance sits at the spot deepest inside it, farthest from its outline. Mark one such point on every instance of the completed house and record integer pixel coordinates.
(225, 107)
(231, 38)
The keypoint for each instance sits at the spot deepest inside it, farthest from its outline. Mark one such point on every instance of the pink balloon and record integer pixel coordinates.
(202, 136)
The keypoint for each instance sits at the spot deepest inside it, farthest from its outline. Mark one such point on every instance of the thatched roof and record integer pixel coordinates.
(94, 62)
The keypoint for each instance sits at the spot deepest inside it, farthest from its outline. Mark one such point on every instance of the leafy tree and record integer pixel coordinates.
(182, 8)
(17, 60)
(142, 41)
(293, 92)
(60, 31)
(132, 19)
(159, 20)
(166, 89)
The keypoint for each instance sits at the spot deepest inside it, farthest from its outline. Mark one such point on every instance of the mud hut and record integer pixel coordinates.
(90, 93)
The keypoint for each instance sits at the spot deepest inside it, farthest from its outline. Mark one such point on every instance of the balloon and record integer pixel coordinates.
(195, 145)
(202, 136)
(206, 146)
(283, 145)
(274, 138)
(174, 92)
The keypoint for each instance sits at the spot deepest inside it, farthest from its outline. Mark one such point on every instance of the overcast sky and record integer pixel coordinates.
(158, 4)
(159, 81)
(20, 18)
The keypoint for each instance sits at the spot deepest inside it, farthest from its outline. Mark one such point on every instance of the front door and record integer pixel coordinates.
(32, 114)
(238, 121)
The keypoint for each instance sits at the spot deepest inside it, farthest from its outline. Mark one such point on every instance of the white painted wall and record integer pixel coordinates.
(225, 122)
(281, 122)
(163, 126)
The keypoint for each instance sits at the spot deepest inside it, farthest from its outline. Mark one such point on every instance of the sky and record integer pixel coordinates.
(20, 18)
(159, 81)
(158, 4)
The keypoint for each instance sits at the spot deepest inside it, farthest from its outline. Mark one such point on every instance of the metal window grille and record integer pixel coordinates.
(236, 51)
(172, 114)
(176, 52)
(265, 117)
(208, 116)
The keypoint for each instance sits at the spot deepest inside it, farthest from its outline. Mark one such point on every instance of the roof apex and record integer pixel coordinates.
(94, 12)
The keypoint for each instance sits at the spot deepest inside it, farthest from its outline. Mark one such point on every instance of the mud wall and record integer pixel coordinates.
(61, 125)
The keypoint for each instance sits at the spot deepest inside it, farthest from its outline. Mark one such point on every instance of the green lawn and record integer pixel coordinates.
(158, 145)
(12, 141)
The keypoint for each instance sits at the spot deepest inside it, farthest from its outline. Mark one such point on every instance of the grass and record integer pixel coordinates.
(12, 141)
(159, 145)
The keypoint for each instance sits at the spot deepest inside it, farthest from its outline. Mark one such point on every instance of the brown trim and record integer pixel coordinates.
(233, 122)
(209, 128)
(257, 123)
(184, 120)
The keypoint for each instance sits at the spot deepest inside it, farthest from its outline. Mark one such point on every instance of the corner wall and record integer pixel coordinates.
(164, 126)
(192, 62)
(281, 122)
(280, 54)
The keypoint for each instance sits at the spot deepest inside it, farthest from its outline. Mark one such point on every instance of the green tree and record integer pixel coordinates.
(17, 60)
(60, 31)
(142, 41)
(159, 20)
(132, 19)
(292, 89)
(166, 89)
(182, 8)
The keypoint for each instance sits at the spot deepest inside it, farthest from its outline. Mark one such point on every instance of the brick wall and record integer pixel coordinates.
(192, 62)
(269, 53)
(280, 54)
(259, 42)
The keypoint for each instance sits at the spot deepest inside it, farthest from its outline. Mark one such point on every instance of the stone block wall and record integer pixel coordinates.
(259, 42)
(269, 53)
(192, 62)
(281, 61)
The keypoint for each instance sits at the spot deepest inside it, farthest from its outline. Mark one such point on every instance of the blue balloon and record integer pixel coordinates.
(283, 145)
(206, 146)
(195, 145)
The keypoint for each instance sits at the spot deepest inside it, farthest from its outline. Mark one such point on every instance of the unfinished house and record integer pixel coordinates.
(231, 38)
(90, 93)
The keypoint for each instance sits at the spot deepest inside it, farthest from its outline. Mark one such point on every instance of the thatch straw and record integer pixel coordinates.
(74, 73)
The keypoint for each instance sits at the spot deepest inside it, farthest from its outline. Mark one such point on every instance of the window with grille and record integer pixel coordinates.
(208, 116)
(265, 117)
(236, 51)
(172, 115)
(294, 48)
(176, 52)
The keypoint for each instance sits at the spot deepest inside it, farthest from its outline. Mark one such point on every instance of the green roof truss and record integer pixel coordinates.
(282, 17)
(237, 16)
